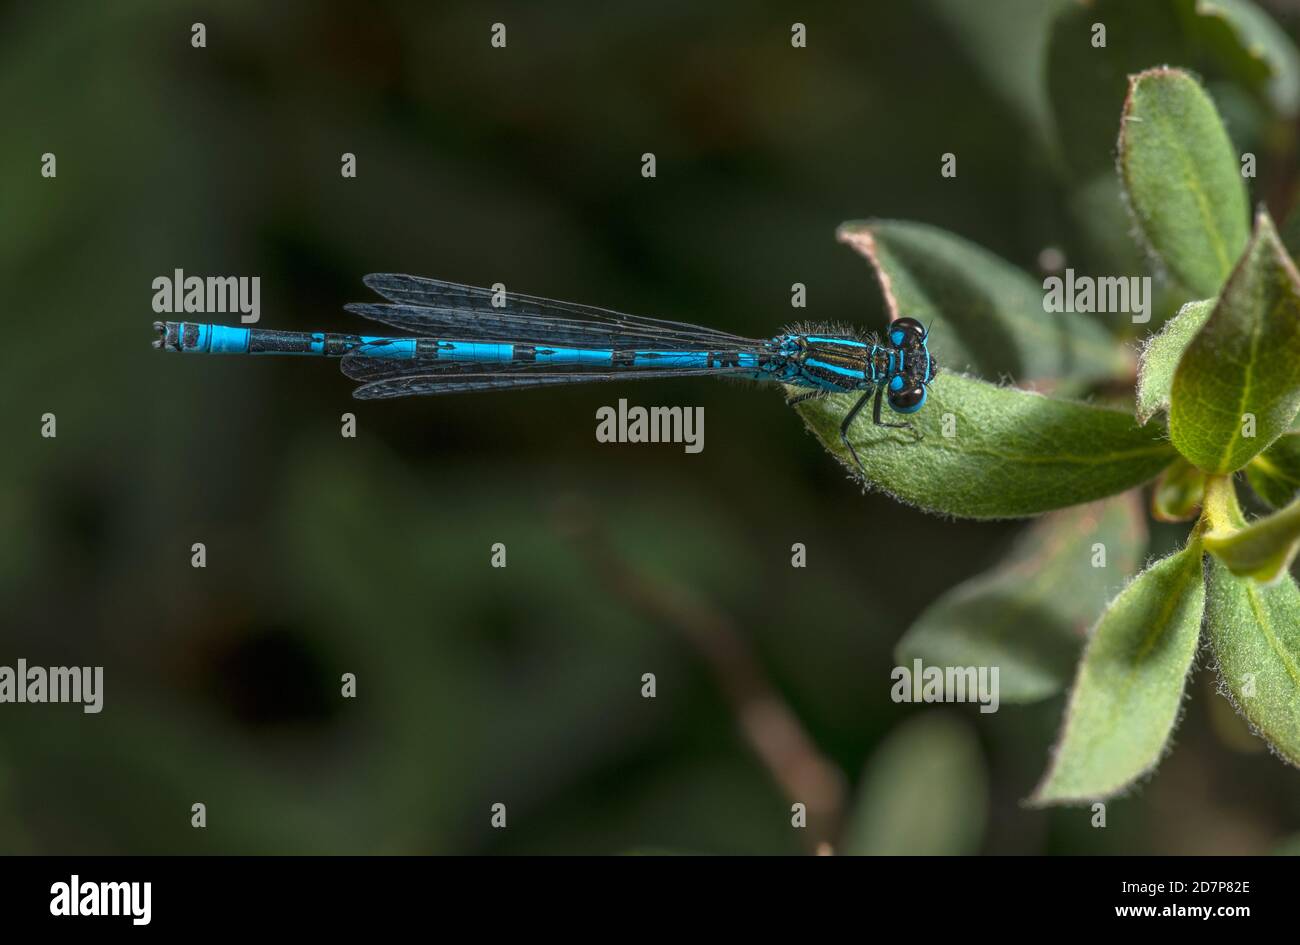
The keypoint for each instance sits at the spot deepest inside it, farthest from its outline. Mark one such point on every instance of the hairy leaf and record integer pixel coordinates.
(1126, 695)
(982, 451)
(1029, 615)
(1161, 353)
(1183, 178)
(985, 315)
(1275, 473)
(1237, 387)
(1255, 630)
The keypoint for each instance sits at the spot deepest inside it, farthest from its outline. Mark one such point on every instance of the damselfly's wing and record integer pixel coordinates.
(445, 311)
(440, 309)
(500, 377)
(402, 377)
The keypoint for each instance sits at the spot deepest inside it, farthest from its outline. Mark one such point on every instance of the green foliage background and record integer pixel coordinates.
(370, 556)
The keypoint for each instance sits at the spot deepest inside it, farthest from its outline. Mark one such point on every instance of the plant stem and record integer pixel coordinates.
(765, 720)
(1220, 512)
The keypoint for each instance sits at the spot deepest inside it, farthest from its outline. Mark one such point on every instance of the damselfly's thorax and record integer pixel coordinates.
(830, 362)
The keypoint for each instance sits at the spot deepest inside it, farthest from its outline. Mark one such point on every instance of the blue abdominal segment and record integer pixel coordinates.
(202, 338)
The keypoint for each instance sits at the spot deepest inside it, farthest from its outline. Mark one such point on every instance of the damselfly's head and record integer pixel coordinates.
(906, 390)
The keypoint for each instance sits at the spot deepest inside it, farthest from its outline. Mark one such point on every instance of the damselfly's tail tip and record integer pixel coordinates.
(169, 336)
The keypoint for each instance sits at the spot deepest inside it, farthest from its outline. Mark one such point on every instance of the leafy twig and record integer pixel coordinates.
(767, 723)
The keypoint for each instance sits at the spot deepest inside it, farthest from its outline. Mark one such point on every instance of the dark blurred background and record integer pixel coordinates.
(328, 555)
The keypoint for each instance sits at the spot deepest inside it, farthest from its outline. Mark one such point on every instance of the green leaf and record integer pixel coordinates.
(1178, 493)
(1160, 356)
(984, 314)
(924, 792)
(1275, 473)
(1007, 453)
(1030, 614)
(1130, 683)
(1255, 631)
(1182, 178)
(1264, 549)
(1237, 387)
(1254, 49)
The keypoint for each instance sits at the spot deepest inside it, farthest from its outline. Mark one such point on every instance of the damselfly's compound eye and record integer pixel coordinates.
(908, 400)
(906, 332)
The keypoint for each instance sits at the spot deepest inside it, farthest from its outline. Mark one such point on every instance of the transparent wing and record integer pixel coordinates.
(434, 376)
(449, 309)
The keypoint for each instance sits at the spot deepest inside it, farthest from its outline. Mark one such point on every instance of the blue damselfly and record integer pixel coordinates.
(463, 338)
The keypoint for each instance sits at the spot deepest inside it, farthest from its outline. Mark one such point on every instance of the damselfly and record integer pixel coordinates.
(463, 338)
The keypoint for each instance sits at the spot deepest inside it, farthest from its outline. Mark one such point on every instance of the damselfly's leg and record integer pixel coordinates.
(875, 414)
(806, 395)
(848, 421)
